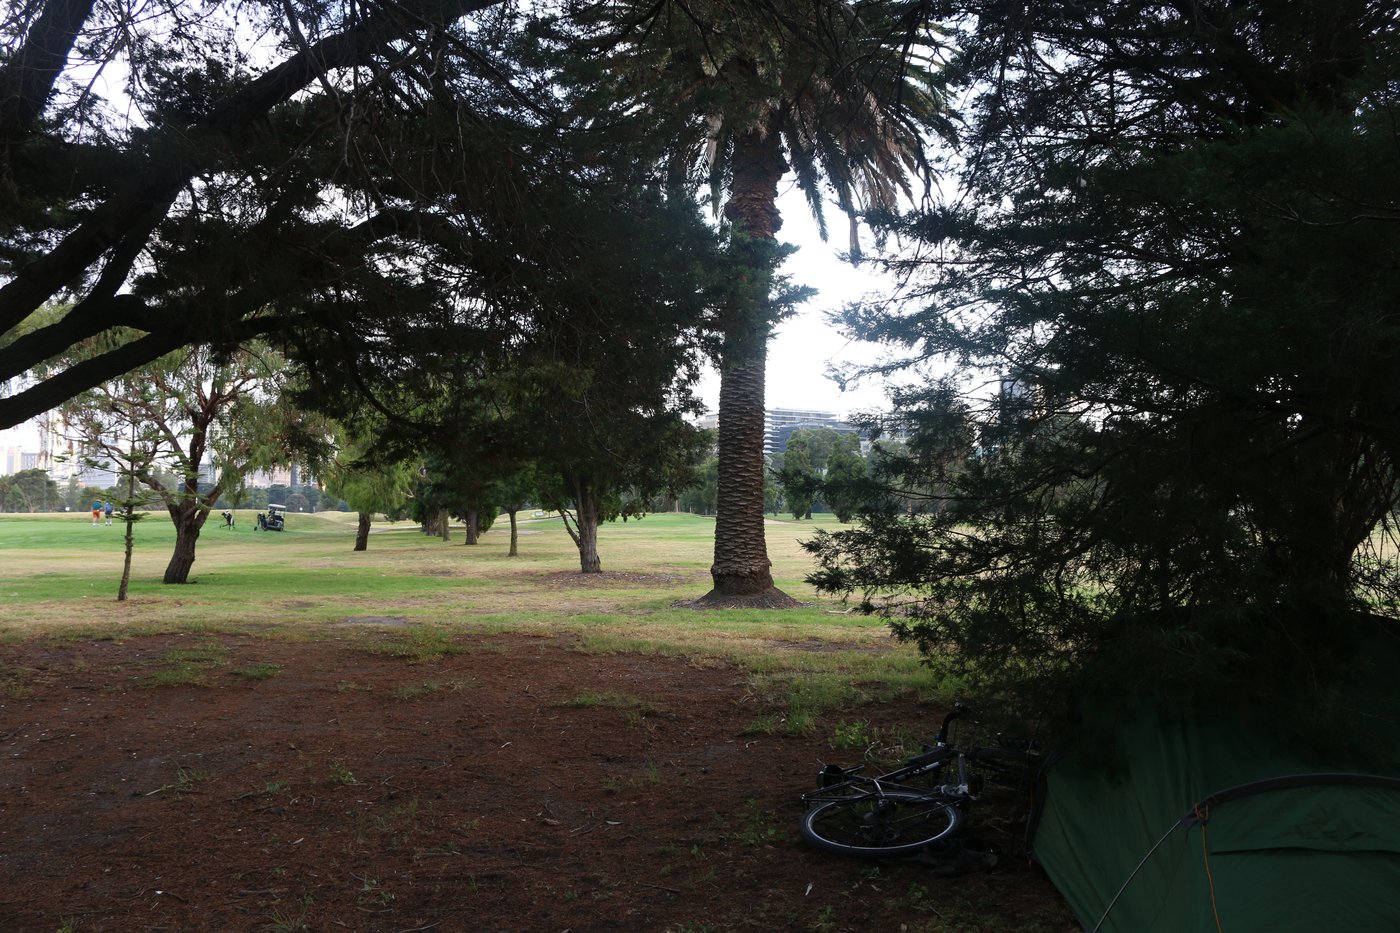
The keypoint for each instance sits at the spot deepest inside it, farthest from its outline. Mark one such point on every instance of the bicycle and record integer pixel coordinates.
(915, 806)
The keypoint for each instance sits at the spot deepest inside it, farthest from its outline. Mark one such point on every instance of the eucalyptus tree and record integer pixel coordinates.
(28, 491)
(194, 410)
(1174, 240)
(841, 93)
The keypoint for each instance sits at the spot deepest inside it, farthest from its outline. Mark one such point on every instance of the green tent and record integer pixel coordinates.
(1220, 826)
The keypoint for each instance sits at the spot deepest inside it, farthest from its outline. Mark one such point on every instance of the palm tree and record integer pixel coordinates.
(842, 93)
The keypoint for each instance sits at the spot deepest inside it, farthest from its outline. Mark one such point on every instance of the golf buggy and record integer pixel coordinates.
(273, 520)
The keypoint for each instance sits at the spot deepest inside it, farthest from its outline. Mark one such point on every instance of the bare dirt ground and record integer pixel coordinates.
(322, 786)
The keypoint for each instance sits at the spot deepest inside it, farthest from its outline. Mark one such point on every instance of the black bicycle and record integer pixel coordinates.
(922, 803)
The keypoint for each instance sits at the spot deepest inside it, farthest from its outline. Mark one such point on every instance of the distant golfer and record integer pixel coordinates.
(96, 511)
(107, 509)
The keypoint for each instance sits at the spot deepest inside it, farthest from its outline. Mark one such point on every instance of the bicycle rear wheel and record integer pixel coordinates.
(897, 822)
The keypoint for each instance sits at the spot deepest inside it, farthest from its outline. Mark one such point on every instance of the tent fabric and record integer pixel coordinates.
(1314, 846)
(1311, 857)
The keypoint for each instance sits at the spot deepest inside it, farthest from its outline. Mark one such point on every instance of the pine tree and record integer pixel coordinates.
(1169, 273)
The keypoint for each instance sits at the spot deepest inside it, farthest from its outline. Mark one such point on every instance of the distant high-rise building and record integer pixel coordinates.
(96, 476)
(780, 423)
(277, 476)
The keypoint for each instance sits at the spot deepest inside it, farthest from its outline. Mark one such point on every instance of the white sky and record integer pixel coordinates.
(806, 344)
(25, 437)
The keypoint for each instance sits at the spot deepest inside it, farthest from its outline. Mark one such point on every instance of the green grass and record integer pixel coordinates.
(259, 671)
(187, 666)
(419, 599)
(611, 699)
(416, 646)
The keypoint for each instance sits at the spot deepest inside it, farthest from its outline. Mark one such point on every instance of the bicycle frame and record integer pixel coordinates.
(840, 782)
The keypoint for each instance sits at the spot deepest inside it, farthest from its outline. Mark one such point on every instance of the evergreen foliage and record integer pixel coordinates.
(30, 491)
(367, 485)
(1172, 259)
(738, 93)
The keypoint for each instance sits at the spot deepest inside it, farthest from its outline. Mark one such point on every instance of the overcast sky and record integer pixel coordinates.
(805, 345)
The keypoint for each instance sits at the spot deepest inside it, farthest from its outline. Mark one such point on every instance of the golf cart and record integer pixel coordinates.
(273, 520)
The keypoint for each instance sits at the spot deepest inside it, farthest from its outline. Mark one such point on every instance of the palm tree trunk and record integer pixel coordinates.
(741, 572)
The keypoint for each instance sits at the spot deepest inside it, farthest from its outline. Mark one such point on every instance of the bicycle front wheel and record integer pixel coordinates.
(897, 822)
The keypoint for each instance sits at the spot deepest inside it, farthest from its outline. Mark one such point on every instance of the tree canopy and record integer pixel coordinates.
(189, 409)
(738, 93)
(232, 195)
(1171, 257)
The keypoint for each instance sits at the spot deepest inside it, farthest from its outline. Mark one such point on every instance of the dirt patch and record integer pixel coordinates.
(607, 580)
(382, 621)
(771, 598)
(517, 785)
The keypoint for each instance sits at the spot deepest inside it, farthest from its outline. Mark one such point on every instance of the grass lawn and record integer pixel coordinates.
(432, 736)
(61, 575)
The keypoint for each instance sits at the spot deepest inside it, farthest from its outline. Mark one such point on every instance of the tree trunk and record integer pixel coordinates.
(741, 571)
(130, 512)
(444, 525)
(189, 519)
(126, 560)
(587, 540)
(584, 529)
(362, 531)
(514, 534)
(473, 535)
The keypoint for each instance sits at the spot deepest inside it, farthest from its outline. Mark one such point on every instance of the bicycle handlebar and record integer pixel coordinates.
(958, 710)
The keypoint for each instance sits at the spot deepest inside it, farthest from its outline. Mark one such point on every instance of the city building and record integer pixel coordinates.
(277, 476)
(779, 424)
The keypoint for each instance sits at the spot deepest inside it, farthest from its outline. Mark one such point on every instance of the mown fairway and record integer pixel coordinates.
(60, 579)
